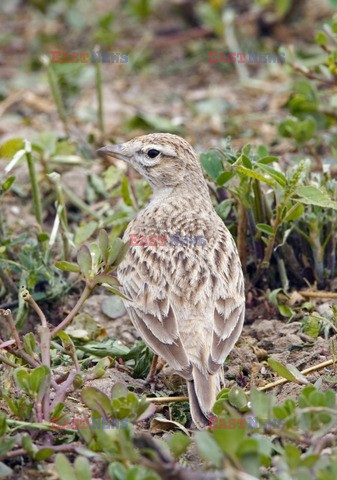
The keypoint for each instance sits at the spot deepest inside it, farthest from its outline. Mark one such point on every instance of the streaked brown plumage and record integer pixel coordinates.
(187, 301)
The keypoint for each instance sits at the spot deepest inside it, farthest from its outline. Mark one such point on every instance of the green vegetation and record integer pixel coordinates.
(63, 213)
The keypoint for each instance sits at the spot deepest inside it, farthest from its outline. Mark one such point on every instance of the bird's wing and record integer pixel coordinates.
(151, 311)
(206, 288)
(229, 307)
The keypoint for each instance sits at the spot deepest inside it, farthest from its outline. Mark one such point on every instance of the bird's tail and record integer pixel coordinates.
(202, 391)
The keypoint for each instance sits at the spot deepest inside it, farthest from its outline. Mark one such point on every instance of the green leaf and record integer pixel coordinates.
(3, 424)
(67, 266)
(40, 379)
(58, 411)
(9, 148)
(293, 456)
(7, 183)
(147, 121)
(295, 212)
(43, 454)
(96, 401)
(95, 255)
(125, 191)
(5, 471)
(224, 177)
(115, 249)
(209, 449)
(101, 367)
(277, 176)
(103, 242)
(224, 208)
(314, 196)
(262, 403)
(85, 231)
(281, 370)
(117, 471)
(115, 291)
(212, 164)
(297, 374)
(111, 177)
(21, 377)
(119, 390)
(109, 279)
(246, 161)
(66, 340)
(263, 227)
(286, 311)
(6, 444)
(261, 152)
(29, 343)
(122, 253)
(48, 142)
(321, 38)
(64, 468)
(311, 325)
(229, 439)
(84, 260)
(254, 174)
(300, 130)
(237, 398)
(28, 445)
(268, 159)
(178, 444)
(82, 468)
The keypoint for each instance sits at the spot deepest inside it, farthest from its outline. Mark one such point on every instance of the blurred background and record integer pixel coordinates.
(167, 83)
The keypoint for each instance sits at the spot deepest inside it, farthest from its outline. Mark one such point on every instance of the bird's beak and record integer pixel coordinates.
(115, 151)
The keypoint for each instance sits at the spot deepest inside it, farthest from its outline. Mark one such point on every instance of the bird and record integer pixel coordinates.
(185, 298)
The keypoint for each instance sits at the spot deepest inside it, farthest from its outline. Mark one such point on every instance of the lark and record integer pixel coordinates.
(188, 300)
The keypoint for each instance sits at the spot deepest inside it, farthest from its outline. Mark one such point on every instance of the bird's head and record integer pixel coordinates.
(163, 159)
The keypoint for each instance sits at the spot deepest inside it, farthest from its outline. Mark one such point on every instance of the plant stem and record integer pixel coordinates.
(6, 344)
(21, 452)
(99, 97)
(281, 381)
(8, 282)
(56, 92)
(36, 426)
(85, 294)
(7, 362)
(282, 272)
(62, 212)
(7, 315)
(319, 294)
(63, 390)
(44, 334)
(35, 186)
(167, 399)
(313, 76)
(30, 300)
(258, 204)
(269, 249)
(20, 353)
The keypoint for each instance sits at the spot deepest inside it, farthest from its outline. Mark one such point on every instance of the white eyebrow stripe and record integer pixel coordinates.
(164, 149)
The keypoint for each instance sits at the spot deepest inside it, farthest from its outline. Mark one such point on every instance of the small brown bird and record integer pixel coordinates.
(187, 293)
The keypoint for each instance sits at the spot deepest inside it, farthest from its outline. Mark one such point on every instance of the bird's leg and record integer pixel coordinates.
(150, 379)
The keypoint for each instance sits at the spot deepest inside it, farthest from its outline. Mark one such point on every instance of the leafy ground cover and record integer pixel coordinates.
(73, 399)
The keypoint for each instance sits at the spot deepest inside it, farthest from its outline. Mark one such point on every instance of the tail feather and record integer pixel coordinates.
(202, 392)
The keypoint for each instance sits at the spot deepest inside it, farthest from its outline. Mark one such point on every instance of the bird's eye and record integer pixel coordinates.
(153, 153)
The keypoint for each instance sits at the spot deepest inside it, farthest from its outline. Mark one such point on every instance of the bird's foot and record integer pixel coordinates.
(151, 381)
